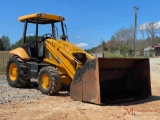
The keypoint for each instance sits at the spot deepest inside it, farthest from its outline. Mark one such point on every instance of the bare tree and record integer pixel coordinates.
(130, 36)
(152, 30)
(142, 31)
(148, 38)
(124, 35)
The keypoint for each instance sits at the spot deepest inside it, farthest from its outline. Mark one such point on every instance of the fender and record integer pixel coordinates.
(21, 53)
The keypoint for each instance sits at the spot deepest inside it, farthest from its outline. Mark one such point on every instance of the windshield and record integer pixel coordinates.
(56, 30)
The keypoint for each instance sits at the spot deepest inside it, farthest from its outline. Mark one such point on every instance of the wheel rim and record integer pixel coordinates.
(45, 81)
(13, 71)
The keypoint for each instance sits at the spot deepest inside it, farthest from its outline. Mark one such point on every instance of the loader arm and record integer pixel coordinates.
(65, 62)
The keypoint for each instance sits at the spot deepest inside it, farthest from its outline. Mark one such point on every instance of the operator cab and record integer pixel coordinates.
(34, 43)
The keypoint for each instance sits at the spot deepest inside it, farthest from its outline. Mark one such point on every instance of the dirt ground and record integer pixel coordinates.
(62, 107)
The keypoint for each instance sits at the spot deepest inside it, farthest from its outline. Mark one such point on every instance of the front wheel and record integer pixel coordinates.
(16, 72)
(49, 81)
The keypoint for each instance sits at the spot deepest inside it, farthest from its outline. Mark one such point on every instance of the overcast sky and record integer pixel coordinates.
(88, 21)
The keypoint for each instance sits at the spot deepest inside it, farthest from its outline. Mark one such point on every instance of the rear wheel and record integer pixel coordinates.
(16, 72)
(49, 80)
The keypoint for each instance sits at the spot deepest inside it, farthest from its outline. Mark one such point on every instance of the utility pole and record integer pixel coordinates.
(135, 30)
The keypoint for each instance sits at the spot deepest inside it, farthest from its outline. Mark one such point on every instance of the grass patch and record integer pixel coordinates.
(2, 70)
(113, 55)
(118, 55)
(4, 57)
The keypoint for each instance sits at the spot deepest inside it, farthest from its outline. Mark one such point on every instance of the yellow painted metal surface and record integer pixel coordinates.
(61, 60)
(45, 81)
(60, 54)
(21, 53)
(66, 80)
(13, 71)
(43, 16)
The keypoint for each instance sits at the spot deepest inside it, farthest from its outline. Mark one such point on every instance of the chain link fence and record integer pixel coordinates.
(4, 56)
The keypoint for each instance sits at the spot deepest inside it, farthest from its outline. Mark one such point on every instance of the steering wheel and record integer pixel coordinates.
(45, 36)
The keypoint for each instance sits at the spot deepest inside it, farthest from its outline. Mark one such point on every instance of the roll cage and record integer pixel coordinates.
(40, 18)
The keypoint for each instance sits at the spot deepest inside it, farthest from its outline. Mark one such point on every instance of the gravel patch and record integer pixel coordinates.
(155, 64)
(9, 94)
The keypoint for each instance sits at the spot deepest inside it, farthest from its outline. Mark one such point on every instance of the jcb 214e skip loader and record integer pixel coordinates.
(55, 61)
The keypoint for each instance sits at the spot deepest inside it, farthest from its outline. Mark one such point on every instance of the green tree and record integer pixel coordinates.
(29, 39)
(126, 51)
(6, 42)
(17, 44)
(103, 46)
(1, 45)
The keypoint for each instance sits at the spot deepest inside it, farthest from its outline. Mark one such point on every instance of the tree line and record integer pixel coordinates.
(122, 40)
(5, 44)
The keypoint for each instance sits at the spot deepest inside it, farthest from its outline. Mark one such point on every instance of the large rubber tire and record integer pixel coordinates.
(17, 73)
(49, 80)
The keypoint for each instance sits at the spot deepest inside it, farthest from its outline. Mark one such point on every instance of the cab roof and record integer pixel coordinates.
(43, 18)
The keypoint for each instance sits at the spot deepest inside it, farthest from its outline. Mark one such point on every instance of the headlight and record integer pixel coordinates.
(41, 14)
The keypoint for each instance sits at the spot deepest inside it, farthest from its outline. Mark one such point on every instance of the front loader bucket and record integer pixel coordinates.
(112, 80)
